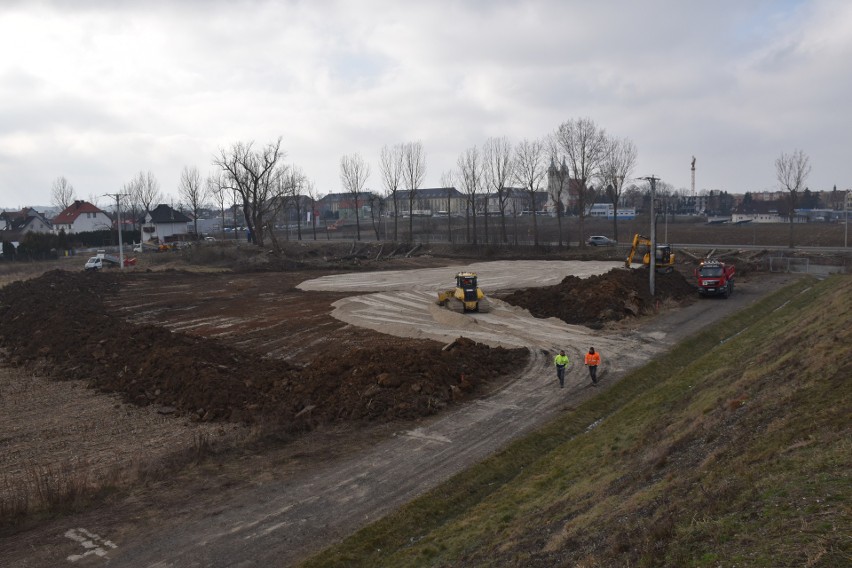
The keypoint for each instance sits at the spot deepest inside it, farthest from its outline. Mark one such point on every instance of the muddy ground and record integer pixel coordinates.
(169, 341)
(87, 335)
(207, 379)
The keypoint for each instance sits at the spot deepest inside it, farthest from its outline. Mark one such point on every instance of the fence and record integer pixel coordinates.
(788, 264)
(804, 266)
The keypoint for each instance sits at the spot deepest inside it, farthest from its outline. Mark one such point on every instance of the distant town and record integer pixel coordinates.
(165, 222)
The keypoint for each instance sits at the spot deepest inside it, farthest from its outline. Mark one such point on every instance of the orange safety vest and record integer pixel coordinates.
(593, 359)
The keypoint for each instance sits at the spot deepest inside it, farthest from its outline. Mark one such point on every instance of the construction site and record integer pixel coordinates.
(280, 369)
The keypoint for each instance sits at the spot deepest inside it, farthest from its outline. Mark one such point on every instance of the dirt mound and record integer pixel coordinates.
(61, 318)
(612, 296)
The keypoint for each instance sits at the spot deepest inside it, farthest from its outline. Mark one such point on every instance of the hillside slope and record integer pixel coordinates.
(732, 450)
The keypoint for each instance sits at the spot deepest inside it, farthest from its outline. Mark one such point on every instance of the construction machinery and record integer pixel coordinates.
(664, 257)
(715, 278)
(466, 296)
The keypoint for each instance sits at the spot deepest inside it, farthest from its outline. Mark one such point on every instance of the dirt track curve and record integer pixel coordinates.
(282, 521)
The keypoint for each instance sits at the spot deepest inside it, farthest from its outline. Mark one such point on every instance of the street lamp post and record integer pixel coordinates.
(846, 218)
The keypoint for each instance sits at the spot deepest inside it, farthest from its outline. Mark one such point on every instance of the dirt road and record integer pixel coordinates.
(320, 499)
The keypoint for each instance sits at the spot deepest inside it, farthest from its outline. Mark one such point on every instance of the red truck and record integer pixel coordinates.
(715, 278)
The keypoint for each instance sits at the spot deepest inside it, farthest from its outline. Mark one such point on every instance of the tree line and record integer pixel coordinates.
(579, 155)
(579, 162)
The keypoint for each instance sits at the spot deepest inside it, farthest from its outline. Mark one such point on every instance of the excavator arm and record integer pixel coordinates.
(665, 258)
(638, 240)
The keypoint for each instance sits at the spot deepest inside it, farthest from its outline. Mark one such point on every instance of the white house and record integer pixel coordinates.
(80, 217)
(28, 220)
(164, 224)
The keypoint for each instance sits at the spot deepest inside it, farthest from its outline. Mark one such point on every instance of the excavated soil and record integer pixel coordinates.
(210, 380)
(612, 296)
(248, 345)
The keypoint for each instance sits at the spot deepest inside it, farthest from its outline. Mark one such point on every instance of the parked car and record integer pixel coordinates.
(600, 241)
(94, 263)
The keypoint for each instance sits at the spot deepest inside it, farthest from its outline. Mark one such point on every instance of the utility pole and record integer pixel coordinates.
(652, 268)
(118, 197)
(846, 220)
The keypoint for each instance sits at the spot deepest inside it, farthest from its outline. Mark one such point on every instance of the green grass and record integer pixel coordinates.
(732, 449)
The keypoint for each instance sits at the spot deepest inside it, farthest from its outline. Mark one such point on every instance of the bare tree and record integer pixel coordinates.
(253, 175)
(62, 193)
(142, 192)
(289, 195)
(132, 207)
(192, 192)
(354, 172)
(285, 202)
(530, 169)
(218, 190)
(792, 170)
(311, 194)
(414, 170)
(617, 167)
(470, 178)
(585, 148)
(377, 208)
(392, 164)
(147, 190)
(499, 171)
(281, 209)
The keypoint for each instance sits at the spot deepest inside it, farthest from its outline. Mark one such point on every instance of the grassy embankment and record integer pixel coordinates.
(732, 450)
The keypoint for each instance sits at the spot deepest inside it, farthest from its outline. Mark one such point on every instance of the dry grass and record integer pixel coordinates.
(63, 443)
(14, 271)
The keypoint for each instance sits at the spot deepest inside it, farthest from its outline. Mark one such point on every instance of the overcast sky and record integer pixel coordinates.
(98, 90)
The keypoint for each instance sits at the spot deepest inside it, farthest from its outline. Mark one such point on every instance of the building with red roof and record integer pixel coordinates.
(80, 217)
